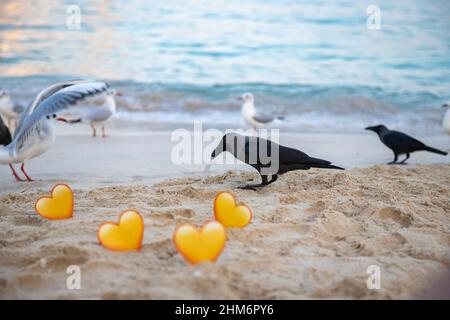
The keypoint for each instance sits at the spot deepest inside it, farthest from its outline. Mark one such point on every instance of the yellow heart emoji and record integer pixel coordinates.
(57, 206)
(202, 245)
(125, 235)
(229, 214)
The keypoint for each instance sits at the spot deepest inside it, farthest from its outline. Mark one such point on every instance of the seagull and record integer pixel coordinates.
(100, 114)
(400, 143)
(252, 117)
(10, 110)
(446, 120)
(262, 154)
(35, 132)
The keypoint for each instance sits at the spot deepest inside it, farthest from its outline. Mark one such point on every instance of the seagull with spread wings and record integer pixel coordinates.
(35, 132)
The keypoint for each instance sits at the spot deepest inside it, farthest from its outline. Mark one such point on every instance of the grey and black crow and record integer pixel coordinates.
(267, 157)
(400, 143)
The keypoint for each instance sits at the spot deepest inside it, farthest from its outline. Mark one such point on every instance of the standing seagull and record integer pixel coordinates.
(36, 130)
(446, 121)
(252, 117)
(100, 114)
(10, 110)
(267, 157)
(401, 143)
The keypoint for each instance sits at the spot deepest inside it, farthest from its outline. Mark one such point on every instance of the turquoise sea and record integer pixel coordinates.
(176, 61)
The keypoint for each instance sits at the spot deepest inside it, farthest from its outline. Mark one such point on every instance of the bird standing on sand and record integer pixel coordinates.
(278, 158)
(446, 120)
(36, 130)
(98, 115)
(251, 116)
(5, 134)
(401, 143)
(10, 110)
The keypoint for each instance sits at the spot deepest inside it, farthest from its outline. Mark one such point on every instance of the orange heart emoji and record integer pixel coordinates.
(125, 235)
(198, 246)
(229, 214)
(57, 206)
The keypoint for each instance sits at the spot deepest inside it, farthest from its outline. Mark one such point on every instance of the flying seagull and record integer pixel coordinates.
(267, 157)
(400, 143)
(35, 132)
(98, 115)
(446, 120)
(252, 117)
(10, 110)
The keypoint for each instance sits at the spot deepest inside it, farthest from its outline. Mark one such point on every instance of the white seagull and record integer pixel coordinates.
(36, 130)
(98, 115)
(251, 116)
(10, 110)
(446, 120)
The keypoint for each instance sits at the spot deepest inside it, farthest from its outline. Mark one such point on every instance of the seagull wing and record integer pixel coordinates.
(54, 100)
(263, 117)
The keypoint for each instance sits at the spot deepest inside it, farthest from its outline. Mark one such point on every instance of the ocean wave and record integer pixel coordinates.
(305, 107)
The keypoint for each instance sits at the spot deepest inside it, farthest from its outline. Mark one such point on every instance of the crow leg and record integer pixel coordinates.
(395, 159)
(254, 186)
(404, 160)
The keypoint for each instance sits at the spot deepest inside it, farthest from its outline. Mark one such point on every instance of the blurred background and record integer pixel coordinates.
(178, 61)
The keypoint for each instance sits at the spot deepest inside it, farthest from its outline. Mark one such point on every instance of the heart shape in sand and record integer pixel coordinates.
(57, 206)
(200, 245)
(229, 214)
(125, 235)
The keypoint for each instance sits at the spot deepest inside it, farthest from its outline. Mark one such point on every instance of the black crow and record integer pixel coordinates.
(267, 157)
(401, 143)
(5, 135)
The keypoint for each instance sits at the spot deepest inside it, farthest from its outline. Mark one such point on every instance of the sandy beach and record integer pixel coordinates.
(313, 235)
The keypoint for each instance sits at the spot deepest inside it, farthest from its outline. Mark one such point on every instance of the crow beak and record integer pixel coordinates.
(62, 119)
(369, 128)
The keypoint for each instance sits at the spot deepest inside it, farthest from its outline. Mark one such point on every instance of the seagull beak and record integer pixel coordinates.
(445, 105)
(62, 119)
(240, 98)
(119, 94)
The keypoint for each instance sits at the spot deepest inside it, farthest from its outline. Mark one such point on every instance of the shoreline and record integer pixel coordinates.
(135, 154)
